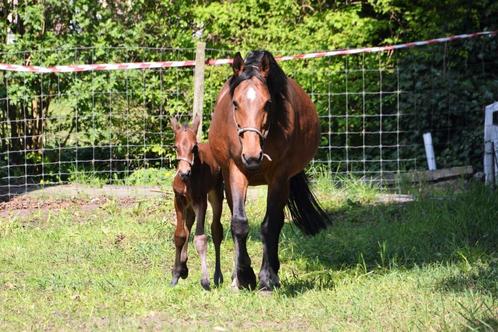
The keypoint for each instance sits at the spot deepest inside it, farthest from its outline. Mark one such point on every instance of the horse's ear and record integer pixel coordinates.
(196, 122)
(174, 124)
(237, 64)
(264, 68)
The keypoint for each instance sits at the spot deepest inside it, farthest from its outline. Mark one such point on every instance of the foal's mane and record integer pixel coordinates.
(276, 80)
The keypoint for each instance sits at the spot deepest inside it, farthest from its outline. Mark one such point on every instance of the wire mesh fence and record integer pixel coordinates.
(56, 127)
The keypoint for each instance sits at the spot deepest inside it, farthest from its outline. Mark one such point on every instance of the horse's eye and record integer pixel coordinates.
(268, 106)
(235, 105)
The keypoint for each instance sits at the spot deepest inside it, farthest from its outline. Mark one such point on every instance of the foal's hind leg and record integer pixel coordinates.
(200, 241)
(216, 200)
(184, 221)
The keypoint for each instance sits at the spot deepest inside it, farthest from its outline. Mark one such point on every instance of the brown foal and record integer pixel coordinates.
(198, 179)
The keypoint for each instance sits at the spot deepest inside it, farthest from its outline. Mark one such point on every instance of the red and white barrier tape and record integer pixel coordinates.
(191, 63)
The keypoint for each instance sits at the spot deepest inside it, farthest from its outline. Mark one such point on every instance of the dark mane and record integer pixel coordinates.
(276, 80)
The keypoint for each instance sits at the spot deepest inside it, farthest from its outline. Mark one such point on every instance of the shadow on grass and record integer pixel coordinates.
(483, 277)
(458, 228)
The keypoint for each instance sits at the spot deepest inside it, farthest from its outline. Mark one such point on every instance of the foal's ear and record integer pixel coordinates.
(196, 122)
(174, 124)
(264, 68)
(237, 64)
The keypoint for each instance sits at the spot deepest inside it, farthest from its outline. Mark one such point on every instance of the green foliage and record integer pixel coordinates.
(112, 110)
(151, 176)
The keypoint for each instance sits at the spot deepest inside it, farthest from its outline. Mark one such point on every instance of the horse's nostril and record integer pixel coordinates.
(252, 162)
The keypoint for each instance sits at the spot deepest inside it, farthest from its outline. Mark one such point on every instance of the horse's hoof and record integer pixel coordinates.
(205, 284)
(218, 278)
(174, 281)
(246, 278)
(268, 280)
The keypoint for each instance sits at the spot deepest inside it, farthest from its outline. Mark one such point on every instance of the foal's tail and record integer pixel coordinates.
(307, 214)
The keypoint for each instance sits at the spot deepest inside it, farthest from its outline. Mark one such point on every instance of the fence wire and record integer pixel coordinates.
(61, 127)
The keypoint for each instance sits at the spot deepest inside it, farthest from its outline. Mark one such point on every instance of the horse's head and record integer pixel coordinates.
(252, 96)
(185, 146)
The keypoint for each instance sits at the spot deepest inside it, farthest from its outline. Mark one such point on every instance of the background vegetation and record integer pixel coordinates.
(123, 116)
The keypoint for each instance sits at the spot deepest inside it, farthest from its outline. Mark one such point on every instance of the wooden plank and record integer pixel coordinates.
(200, 55)
(429, 176)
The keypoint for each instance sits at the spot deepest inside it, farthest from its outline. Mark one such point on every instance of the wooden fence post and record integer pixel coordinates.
(199, 84)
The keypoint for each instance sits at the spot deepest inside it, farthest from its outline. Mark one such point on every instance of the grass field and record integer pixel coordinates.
(100, 264)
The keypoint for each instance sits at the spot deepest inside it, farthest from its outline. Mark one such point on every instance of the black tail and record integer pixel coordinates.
(307, 214)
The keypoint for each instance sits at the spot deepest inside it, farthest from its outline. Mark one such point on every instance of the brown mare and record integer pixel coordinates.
(265, 130)
(197, 180)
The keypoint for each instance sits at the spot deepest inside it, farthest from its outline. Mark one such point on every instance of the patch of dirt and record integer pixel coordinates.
(81, 196)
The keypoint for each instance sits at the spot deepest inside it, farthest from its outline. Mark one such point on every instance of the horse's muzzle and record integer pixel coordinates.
(252, 163)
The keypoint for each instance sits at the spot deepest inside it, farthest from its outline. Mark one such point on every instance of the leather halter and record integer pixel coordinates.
(241, 130)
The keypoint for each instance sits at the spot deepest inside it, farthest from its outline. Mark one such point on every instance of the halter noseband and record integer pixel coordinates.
(190, 162)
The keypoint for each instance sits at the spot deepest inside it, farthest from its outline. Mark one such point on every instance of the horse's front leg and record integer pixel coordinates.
(200, 240)
(243, 276)
(278, 192)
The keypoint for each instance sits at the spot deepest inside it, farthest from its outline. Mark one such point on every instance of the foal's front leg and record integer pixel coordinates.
(200, 240)
(244, 276)
(184, 220)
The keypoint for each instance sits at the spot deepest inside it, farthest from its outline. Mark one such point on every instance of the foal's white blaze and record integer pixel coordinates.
(251, 94)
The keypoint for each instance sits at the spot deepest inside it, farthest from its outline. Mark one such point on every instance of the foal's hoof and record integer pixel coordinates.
(246, 278)
(178, 273)
(184, 273)
(205, 284)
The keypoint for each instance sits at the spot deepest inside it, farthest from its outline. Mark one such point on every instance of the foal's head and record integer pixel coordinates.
(257, 88)
(185, 146)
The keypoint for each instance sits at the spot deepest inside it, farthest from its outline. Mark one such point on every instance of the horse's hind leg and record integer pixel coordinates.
(184, 220)
(216, 200)
(200, 241)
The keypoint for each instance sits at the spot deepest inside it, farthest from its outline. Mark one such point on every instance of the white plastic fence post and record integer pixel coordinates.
(490, 137)
(429, 152)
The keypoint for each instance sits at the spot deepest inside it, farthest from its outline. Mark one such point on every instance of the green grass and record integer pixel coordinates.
(141, 176)
(431, 264)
